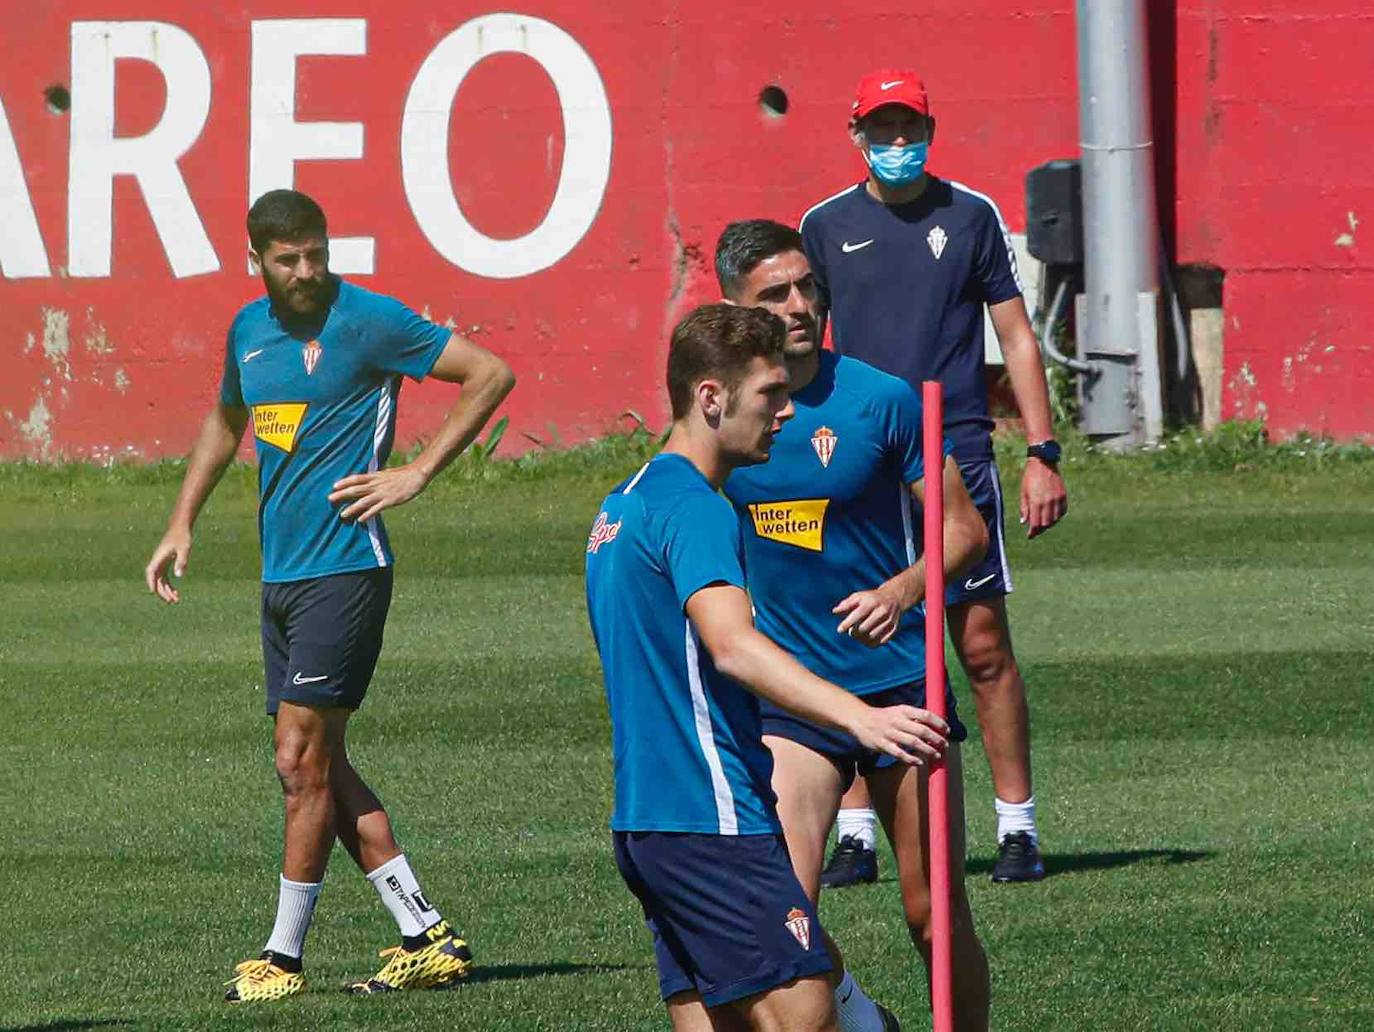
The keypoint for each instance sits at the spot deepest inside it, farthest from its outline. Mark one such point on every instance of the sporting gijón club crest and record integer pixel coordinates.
(824, 441)
(311, 353)
(799, 924)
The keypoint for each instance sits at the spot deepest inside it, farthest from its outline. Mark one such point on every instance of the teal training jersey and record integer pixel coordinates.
(687, 741)
(829, 514)
(323, 405)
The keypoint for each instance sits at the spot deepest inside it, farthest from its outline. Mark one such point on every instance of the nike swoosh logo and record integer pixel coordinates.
(973, 585)
(847, 247)
(889, 85)
(298, 679)
(253, 354)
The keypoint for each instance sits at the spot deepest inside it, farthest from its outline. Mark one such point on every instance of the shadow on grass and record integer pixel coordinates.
(509, 972)
(70, 1025)
(1067, 863)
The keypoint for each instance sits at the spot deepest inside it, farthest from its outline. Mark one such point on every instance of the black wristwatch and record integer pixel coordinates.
(1047, 452)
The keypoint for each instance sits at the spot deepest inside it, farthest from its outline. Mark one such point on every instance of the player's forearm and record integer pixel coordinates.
(964, 546)
(210, 457)
(754, 661)
(482, 394)
(966, 542)
(1021, 353)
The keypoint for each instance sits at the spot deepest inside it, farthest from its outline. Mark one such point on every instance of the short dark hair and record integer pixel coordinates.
(719, 342)
(744, 244)
(284, 215)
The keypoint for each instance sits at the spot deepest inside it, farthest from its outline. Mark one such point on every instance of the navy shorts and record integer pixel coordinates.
(842, 749)
(729, 917)
(991, 578)
(321, 637)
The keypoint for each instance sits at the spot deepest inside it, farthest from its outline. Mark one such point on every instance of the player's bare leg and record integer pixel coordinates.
(809, 787)
(689, 1014)
(359, 818)
(802, 1005)
(982, 638)
(305, 739)
(900, 795)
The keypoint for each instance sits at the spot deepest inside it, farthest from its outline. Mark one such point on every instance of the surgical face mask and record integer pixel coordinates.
(898, 166)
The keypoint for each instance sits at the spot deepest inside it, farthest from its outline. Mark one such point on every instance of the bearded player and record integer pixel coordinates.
(316, 365)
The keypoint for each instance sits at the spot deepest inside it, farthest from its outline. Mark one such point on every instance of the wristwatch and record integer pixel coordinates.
(1047, 452)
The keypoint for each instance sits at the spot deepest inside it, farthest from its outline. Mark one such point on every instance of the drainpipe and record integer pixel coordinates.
(1118, 321)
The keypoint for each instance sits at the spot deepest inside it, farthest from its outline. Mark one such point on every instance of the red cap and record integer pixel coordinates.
(890, 86)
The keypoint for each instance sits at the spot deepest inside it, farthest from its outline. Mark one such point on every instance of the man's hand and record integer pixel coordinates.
(370, 493)
(1044, 501)
(871, 617)
(175, 548)
(914, 736)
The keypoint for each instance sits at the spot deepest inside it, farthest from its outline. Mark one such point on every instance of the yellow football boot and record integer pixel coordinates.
(437, 965)
(262, 979)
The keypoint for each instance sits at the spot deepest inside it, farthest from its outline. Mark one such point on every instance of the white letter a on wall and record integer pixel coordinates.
(97, 155)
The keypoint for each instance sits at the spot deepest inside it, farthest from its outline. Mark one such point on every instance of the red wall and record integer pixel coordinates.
(1273, 186)
(1260, 163)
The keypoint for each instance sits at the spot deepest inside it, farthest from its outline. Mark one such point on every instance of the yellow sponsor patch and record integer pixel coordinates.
(278, 423)
(800, 523)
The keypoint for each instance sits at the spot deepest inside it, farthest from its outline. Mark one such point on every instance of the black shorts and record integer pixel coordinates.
(321, 637)
(729, 917)
(843, 750)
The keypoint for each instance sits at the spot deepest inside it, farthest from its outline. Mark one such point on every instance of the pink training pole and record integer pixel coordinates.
(933, 456)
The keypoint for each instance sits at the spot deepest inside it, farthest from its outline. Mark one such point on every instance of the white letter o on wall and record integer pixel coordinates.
(586, 150)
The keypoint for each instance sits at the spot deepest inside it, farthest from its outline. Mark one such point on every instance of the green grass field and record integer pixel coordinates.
(1199, 648)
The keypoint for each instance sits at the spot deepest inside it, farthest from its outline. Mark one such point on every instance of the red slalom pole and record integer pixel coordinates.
(933, 456)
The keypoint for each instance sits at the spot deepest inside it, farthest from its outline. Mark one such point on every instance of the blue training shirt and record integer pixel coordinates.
(830, 513)
(687, 741)
(323, 406)
(906, 285)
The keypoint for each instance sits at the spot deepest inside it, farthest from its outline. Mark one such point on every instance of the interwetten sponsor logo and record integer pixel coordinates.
(800, 523)
(279, 423)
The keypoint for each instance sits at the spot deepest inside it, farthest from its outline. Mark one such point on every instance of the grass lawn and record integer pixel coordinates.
(1198, 647)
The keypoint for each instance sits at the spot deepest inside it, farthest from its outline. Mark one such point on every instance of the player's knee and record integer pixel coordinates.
(916, 910)
(988, 661)
(300, 769)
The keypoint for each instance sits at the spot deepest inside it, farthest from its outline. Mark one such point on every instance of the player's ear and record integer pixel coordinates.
(711, 400)
(255, 260)
(856, 133)
(930, 129)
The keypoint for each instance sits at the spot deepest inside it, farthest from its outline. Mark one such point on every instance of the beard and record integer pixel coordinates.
(300, 300)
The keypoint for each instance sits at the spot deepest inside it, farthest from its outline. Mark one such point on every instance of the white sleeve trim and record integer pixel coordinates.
(1002, 225)
(822, 204)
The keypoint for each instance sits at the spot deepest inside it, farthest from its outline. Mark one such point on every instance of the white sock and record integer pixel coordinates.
(395, 882)
(295, 908)
(1016, 817)
(860, 823)
(857, 1012)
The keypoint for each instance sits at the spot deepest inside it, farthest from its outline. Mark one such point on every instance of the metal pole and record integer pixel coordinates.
(937, 781)
(1119, 323)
